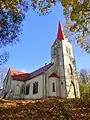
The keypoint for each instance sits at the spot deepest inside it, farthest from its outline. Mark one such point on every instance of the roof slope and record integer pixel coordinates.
(17, 75)
(40, 70)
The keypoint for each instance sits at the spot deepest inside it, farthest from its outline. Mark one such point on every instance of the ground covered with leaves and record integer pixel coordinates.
(46, 109)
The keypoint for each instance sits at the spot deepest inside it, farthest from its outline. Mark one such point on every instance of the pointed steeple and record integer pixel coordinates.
(60, 34)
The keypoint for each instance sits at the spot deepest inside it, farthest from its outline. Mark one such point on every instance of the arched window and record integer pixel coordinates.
(27, 89)
(71, 70)
(66, 49)
(17, 89)
(35, 88)
(53, 87)
(74, 88)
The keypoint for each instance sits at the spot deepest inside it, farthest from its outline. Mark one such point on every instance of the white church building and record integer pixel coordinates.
(56, 79)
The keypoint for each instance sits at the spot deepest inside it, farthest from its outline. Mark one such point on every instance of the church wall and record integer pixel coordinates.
(15, 91)
(0, 92)
(7, 85)
(39, 94)
(47, 74)
(69, 61)
(50, 88)
(62, 87)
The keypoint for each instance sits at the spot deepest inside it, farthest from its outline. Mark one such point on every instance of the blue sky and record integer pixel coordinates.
(34, 48)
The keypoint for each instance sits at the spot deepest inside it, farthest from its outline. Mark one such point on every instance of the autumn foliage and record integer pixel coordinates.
(46, 109)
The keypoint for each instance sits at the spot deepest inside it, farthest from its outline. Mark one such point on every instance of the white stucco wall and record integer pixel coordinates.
(63, 93)
(15, 91)
(68, 59)
(50, 92)
(62, 59)
(70, 89)
(40, 93)
(6, 86)
(0, 92)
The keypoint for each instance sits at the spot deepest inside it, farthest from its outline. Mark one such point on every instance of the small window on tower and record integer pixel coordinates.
(53, 87)
(66, 49)
(69, 51)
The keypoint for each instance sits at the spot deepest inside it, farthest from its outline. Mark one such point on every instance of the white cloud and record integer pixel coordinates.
(27, 71)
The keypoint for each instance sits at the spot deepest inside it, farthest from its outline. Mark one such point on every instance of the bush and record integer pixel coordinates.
(85, 91)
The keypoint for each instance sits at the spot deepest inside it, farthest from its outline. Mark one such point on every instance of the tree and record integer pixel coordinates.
(12, 13)
(77, 13)
(84, 82)
(85, 90)
(84, 76)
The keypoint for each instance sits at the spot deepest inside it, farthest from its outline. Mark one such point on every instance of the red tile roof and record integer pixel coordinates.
(17, 75)
(60, 34)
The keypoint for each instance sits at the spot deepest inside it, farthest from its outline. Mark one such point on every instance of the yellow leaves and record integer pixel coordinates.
(46, 109)
(11, 5)
(82, 115)
(74, 109)
(66, 2)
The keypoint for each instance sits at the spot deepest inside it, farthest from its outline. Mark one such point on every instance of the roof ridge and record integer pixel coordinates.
(41, 67)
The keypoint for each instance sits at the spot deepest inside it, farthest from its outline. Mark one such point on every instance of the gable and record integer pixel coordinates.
(54, 75)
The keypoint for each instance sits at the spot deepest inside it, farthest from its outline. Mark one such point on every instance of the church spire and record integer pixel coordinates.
(60, 34)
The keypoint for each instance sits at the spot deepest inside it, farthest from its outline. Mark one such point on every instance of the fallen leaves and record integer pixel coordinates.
(46, 109)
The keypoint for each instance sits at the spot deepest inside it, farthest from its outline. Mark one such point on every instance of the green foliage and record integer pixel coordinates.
(12, 13)
(77, 15)
(78, 22)
(85, 90)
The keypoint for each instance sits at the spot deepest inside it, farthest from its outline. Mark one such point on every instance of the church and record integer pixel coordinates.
(56, 79)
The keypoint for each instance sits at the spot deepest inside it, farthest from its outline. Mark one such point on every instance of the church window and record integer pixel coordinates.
(53, 87)
(35, 88)
(69, 51)
(71, 71)
(74, 88)
(61, 83)
(66, 49)
(17, 89)
(27, 89)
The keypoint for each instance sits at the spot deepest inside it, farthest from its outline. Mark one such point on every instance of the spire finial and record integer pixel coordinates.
(60, 34)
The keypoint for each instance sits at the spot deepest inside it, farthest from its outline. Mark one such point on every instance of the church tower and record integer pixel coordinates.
(64, 62)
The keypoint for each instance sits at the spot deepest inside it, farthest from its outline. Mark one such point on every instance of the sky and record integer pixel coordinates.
(34, 47)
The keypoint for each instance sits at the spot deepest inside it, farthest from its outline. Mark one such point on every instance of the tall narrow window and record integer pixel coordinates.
(74, 88)
(53, 87)
(71, 71)
(69, 51)
(66, 49)
(27, 89)
(35, 88)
